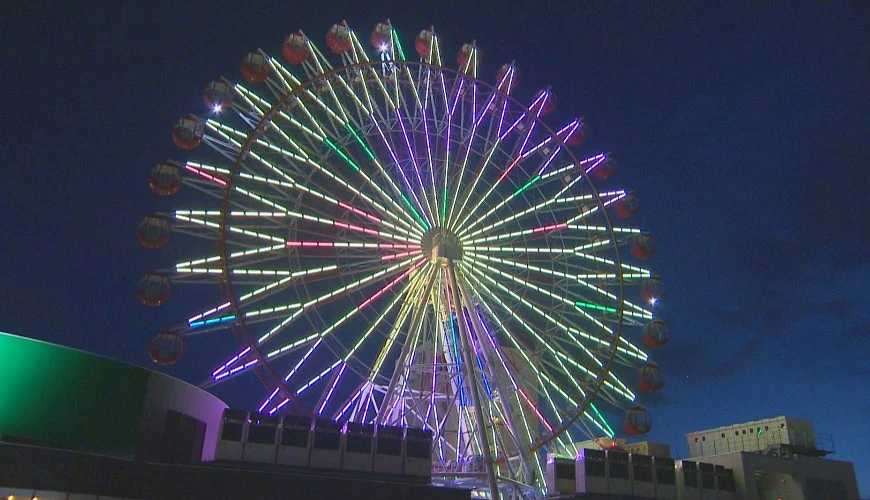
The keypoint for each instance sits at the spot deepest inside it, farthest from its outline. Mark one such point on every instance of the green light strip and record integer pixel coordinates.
(341, 153)
(594, 306)
(361, 142)
(603, 420)
(527, 185)
(414, 212)
(398, 44)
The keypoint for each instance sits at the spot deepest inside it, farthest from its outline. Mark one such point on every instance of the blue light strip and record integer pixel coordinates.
(211, 322)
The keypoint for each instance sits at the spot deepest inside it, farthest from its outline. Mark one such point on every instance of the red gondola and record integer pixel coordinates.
(187, 133)
(637, 421)
(656, 333)
(217, 95)
(153, 289)
(166, 348)
(626, 207)
(295, 49)
(423, 43)
(153, 232)
(650, 378)
(642, 246)
(338, 39)
(382, 36)
(255, 68)
(165, 178)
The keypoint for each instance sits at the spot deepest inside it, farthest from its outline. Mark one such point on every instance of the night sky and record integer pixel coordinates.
(744, 131)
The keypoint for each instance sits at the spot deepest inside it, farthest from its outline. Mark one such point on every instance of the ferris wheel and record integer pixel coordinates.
(397, 241)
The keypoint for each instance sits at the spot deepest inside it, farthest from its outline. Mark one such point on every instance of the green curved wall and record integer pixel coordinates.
(67, 398)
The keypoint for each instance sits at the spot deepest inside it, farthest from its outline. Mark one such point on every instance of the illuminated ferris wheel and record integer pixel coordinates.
(399, 242)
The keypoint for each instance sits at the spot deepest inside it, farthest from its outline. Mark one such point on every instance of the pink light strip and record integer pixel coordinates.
(344, 244)
(359, 212)
(388, 286)
(205, 175)
(552, 227)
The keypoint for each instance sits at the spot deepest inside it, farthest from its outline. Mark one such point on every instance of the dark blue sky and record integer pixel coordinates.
(744, 130)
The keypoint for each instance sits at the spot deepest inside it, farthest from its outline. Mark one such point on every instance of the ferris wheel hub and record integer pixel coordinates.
(442, 246)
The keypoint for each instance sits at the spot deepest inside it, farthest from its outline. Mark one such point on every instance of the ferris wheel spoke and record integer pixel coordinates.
(458, 84)
(540, 374)
(407, 306)
(558, 356)
(422, 216)
(381, 133)
(286, 212)
(625, 346)
(317, 337)
(531, 210)
(461, 221)
(345, 185)
(431, 212)
(479, 268)
(418, 306)
(346, 123)
(544, 231)
(387, 143)
(325, 197)
(477, 118)
(637, 311)
(356, 284)
(306, 306)
(348, 355)
(211, 174)
(573, 332)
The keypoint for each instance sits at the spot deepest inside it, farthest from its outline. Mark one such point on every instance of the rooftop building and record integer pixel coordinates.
(775, 458)
(755, 436)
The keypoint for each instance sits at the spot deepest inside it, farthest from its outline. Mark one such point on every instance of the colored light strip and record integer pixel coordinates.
(573, 331)
(539, 373)
(204, 175)
(595, 307)
(499, 137)
(212, 322)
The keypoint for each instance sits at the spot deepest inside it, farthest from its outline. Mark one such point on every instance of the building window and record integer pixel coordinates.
(736, 433)
(723, 435)
(744, 431)
(703, 438)
(765, 427)
(696, 440)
